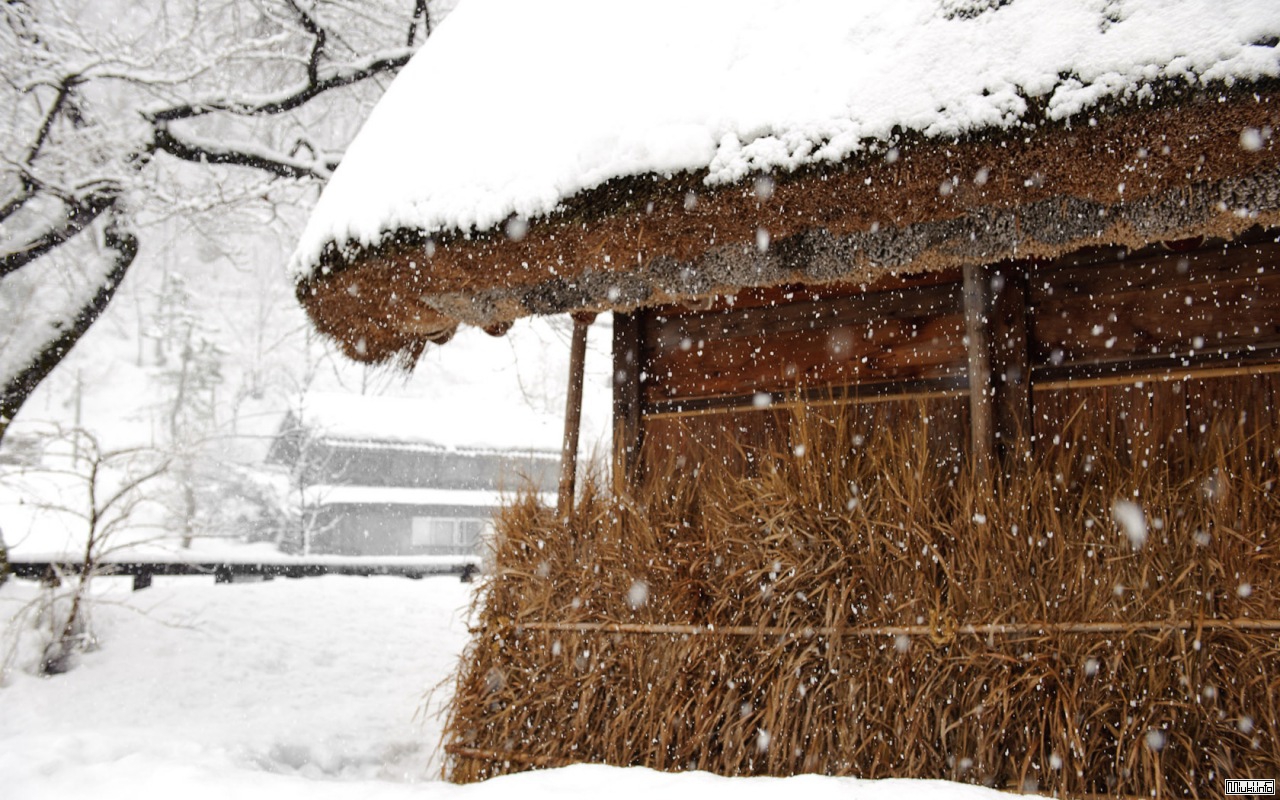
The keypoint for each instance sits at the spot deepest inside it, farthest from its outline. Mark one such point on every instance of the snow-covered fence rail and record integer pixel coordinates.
(225, 570)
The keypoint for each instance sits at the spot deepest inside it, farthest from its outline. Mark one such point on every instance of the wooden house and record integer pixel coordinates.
(369, 481)
(1009, 249)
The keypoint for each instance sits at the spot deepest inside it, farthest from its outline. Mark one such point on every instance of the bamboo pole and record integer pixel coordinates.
(1160, 375)
(933, 631)
(573, 414)
(800, 403)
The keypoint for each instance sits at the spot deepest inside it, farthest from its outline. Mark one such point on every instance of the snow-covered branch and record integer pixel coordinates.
(120, 241)
(294, 98)
(15, 204)
(243, 155)
(80, 214)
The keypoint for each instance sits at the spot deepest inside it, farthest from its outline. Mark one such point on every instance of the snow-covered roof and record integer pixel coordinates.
(477, 188)
(464, 425)
(514, 105)
(483, 499)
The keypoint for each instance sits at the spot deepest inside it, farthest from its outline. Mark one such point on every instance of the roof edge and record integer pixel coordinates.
(1163, 170)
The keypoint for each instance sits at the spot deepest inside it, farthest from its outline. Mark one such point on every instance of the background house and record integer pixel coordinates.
(377, 476)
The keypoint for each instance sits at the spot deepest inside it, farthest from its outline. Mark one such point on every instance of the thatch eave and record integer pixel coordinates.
(1171, 167)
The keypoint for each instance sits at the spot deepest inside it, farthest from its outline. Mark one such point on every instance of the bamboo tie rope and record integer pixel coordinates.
(943, 633)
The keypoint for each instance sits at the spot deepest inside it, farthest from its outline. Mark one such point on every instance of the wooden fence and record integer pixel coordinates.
(142, 570)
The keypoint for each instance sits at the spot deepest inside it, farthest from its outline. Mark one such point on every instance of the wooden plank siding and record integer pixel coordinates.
(733, 437)
(1215, 303)
(879, 337)
(1139, 347)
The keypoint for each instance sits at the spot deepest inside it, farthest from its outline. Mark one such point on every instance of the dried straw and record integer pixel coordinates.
(854, 602)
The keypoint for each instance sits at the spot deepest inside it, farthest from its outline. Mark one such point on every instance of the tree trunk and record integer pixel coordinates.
(4, 560)
(14, 393)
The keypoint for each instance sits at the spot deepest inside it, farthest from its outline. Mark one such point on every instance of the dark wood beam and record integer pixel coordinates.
(627, 404)
(1010, 364)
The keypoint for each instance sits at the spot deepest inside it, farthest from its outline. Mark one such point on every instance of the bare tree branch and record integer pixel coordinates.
(59, 101)
(420, 12)
(318, 36)
(130, 485)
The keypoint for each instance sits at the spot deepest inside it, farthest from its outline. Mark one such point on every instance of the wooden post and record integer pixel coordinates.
(976, 327)
(1011, 365)
(626, 399)
(573, 414)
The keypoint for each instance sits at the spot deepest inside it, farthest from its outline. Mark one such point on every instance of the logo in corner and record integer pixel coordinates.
(1247, 786)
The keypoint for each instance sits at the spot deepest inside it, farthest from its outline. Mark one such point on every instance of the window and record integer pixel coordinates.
(447, 534)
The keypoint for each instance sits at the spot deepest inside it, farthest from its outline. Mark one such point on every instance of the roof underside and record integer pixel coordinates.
(1162, 155)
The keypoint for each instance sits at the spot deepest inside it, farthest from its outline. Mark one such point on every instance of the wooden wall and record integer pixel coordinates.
(893, 339)
(1138, 347)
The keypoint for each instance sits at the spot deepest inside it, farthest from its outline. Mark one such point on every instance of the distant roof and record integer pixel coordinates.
(520, 111)
(407, 422)
(325, 495)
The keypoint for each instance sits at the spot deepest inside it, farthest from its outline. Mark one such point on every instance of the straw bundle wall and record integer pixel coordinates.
(861, 605)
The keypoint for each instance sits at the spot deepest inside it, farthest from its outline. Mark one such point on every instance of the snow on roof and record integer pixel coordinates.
(326, 495)
(455, 424)
(513, 106)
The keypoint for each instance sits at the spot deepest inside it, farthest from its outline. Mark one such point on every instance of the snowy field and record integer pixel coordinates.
(237, 690)
(290, 689)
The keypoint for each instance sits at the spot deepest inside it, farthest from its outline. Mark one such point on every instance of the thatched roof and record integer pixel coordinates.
(755, 144)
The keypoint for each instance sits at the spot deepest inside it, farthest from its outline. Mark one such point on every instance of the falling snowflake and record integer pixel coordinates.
(1128, 515)
(638, 594)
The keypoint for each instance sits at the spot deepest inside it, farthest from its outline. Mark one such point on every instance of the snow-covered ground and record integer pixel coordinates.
(216, 689)
(292, 689)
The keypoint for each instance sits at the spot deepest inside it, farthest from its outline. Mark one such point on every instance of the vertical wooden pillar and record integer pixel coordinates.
(1011, 364)
(573, 413)
(627, 431)
(977, 328)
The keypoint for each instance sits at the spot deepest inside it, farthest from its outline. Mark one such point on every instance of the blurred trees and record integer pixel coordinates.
(115, 116)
